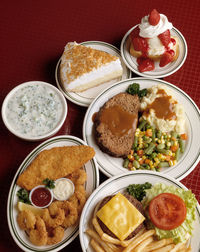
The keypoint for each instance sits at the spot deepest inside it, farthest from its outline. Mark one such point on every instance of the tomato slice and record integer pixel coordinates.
(167, 211)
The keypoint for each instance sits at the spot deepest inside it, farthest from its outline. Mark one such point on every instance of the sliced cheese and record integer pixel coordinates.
(120, 216)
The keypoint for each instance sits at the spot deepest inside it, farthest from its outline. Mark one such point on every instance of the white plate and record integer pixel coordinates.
(19, 235)
(111, 166)
(158, 72)
(120, 183)
(85, 98)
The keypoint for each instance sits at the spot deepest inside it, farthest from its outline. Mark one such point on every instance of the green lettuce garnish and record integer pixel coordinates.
(181, 233)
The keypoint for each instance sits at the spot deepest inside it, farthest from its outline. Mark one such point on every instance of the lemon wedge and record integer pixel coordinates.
(23, 206)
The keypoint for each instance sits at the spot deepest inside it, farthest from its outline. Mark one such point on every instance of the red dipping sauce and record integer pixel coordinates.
(41, 196)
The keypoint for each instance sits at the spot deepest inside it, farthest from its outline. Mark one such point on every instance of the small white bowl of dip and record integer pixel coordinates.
(64, 189)
(34, 110)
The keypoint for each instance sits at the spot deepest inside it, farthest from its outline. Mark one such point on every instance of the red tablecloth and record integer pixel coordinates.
(32, 38)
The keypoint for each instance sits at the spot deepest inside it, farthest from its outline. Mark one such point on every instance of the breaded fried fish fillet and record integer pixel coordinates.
(54, 163)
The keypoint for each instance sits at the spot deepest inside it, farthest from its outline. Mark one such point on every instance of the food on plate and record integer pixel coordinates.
(164, 196)
(114, 211)
(115, 124)
(40, 196)
(162, 110)
(83, 67)
(64, 188)
(153, 42)
(177, 207)
(54, 163)
(161, 135)
(47, 225)
(34, 109)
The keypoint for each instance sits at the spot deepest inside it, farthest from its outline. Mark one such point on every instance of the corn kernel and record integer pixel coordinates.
(132, 168)
(144, 157)
(174, 162)
(175, 143)
(171, 163)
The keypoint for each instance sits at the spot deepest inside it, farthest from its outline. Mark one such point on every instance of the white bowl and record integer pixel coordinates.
(45, 103)
(67, 197)
(32, 191)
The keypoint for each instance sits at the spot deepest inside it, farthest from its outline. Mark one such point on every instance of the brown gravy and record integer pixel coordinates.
(163, 107)
(119, 122)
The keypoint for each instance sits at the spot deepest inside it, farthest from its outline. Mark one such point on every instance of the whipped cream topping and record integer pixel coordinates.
(149, 31)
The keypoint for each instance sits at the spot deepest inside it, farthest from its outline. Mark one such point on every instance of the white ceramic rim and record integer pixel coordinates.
(40, 186)
(112, 166)
(49, 134)
(76, 97)
(150, 74)
(116, 184)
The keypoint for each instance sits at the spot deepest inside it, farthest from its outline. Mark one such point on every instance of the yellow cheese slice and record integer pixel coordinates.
(120, 216)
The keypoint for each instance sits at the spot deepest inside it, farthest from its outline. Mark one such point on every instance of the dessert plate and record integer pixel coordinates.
(86, 97)
(71, 233)
(120, 183)
(111, 166)
(158, 72)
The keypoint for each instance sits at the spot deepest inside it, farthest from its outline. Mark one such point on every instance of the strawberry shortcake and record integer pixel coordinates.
(152, 41)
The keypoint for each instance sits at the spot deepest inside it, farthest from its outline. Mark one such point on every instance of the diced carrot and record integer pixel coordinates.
(131, 152)
(184, 136)
(141, 161)
(174, 148)
(147, 161)
(130, 165)
(140, 152)
(174, 138)
(148, 132)
(167, 157)
(131, 158)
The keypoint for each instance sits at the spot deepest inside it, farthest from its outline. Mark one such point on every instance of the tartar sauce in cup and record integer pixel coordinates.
(64, 188)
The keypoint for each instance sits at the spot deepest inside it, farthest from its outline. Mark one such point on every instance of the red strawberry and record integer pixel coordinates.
(140, 44)
(165, 38)
(166, 59)
(146, 65)
(154, 17)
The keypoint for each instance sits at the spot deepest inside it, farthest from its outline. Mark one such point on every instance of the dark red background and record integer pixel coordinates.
(32, 37)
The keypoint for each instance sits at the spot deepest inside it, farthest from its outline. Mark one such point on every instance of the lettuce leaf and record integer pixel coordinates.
(181, 233)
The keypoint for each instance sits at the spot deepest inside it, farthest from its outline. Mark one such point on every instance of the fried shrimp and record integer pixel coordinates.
(26, 219)
(70, 210)
(71, 214)
(55, 235)
(78, 177)
(80, 195)
(38, 235)
(55, 219)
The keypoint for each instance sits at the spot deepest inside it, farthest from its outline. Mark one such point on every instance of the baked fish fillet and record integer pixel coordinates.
(55, 163)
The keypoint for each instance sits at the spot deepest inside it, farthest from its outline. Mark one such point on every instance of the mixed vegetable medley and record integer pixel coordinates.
(153, 149)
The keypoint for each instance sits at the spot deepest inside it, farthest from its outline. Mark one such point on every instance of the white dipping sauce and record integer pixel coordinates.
(64, 188)
(34, 110)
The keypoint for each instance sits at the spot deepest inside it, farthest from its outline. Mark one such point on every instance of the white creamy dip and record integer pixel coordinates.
(34, 110)
(64, 188)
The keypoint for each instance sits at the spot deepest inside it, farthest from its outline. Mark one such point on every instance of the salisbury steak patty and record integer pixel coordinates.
(135, 202)
(115, 124)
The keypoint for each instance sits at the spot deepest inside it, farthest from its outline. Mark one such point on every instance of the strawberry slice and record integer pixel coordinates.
(154, 17)
(166, 58)
(140, 44)
(145, 64)
(165, 38)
